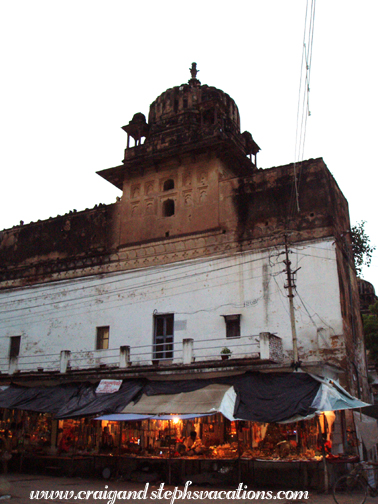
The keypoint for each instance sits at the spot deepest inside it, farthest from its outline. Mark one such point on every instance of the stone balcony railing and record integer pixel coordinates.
(264, 347)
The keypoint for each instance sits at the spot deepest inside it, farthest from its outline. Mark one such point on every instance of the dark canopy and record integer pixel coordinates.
(261, 397)
(69, 400)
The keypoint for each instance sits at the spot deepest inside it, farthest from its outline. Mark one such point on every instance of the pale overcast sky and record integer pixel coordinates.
(75, 71)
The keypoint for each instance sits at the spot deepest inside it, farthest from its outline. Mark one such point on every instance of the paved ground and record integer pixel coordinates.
(20, 486)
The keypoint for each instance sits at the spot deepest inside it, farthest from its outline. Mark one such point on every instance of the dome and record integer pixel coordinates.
(187, 118)
(194, 99)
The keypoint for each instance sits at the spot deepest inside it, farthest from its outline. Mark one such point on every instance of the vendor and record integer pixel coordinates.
(65, 444)
(5, 450)
(193, 445)
(107, 442)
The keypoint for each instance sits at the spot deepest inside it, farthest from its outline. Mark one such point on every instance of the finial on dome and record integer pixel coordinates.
(193, 72)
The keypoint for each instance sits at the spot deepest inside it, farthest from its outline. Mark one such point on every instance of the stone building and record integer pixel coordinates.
(188, 262)
(367, 295)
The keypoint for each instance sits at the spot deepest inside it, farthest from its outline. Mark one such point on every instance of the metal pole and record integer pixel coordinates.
(169, 453)
(326, 480)
(239, 454)
(289, 286)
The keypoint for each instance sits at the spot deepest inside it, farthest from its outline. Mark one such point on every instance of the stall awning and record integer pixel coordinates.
(131, 417)
(330, 397)
(69, 400)
(207, 400)
(259, 397)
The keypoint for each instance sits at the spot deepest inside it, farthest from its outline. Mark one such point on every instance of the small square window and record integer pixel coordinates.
(14, 349)
(102, 342)
(232, 325)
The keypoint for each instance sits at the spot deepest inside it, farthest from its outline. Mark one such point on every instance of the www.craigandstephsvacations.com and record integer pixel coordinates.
(111, 496)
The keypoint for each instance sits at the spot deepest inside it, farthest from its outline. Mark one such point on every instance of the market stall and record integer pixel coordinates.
(222, 431)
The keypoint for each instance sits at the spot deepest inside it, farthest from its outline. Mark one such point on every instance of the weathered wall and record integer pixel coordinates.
(195, 196)
(355, 362)
(233, 213)
(64, 315)
(140, 254)
(265, 203)
(75, 240)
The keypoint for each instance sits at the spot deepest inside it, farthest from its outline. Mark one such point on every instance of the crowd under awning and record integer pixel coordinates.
(259, 397)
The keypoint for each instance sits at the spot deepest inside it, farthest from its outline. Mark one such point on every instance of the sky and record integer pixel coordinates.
(75, 71)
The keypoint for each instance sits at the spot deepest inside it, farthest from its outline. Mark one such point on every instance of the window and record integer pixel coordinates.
(168, 185)
(102, 342)
(208, 117)
(232, 326)
(163, 336)
(168, 208)
(14, 349)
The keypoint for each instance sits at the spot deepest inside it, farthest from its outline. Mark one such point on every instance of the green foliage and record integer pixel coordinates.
(371, 332)
(362, 249)
(226, 351)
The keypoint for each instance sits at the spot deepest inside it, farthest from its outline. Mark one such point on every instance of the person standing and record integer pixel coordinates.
(5, 450)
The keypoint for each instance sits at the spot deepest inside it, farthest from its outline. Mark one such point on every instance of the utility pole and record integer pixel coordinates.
(290, 285)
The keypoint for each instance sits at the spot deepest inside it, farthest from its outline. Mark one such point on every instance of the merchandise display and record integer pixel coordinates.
(206, 437)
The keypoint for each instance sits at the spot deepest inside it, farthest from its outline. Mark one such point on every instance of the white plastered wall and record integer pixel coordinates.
(64, 315)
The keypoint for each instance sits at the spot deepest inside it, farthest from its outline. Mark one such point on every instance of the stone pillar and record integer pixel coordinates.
(124, 356)
(64, 360)
(13, 365)
(187, 351)
(264, 345)
(54, 434)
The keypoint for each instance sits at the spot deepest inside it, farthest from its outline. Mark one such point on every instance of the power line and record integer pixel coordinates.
(303, 107)
(142, 285)
(18, 292)
(70, 310)
(137, 273)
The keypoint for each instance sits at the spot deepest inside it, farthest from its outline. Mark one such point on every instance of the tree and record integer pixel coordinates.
(361, 246)
(371, 332)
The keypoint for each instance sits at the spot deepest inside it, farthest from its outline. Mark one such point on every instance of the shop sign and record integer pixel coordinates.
(108, 386)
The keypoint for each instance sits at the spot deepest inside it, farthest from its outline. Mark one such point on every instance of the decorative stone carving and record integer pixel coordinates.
(188, 199)
(149, 188)
(150, 207)
(187, 179)
(135, 210)
(135, 191)
(202, 177)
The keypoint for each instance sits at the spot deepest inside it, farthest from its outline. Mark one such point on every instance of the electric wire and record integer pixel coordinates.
(303, 106)
(315, 313)
(75, 310)
(206, 261)
(307, 112)
(16, 292)
(137, 273)
(103, 306)
(141, 284)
